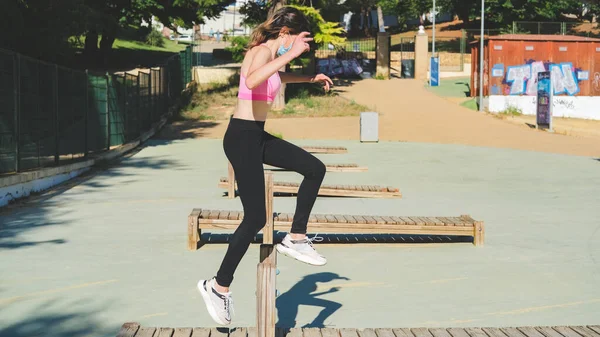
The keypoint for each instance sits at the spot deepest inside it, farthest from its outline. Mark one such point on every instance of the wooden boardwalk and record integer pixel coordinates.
(358, 191)
(135, 330)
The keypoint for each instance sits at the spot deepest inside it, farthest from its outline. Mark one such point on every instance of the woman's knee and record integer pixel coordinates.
(318, 170)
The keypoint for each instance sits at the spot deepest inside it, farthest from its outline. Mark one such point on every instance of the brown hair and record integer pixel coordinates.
(289, 17)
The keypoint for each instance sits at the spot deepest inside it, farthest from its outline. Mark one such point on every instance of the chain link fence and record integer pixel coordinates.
(556, 28)
(51, 115)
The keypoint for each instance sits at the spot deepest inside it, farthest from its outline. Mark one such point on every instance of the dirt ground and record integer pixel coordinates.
(410, 113)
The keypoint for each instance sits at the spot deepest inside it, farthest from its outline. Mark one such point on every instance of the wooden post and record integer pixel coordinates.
(479, 233)
(268, 229)
(231, 181)
(193, 230)
(266, 271)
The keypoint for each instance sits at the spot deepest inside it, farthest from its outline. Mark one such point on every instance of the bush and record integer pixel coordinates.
(238, 47)
(155, 38)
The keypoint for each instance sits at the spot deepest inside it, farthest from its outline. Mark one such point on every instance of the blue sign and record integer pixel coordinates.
(434, 72)
(544, 101)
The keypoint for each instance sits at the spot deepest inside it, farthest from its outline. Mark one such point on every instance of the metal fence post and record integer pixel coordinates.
(17, 119)
(139, 111)
(107, 112)
(56, 114)
(87, 109)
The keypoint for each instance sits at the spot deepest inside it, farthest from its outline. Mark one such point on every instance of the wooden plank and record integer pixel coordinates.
(408, 220)
(164, 332)
(330, 332)
(571, 331)
(340, 219)
(182, 332)
(330, 218)
(435, 221)
(311, 332)
(403, 332)
(346, 332)
(595, 328)
(205, 213)
(379, 219)
(252, 332)
(475, 332)
(294, 332)
(530, 331)
(312, 218)
(234, 215)
(367, 333)
(447, 221)
(384, 332)
(360, 219)
(128, 329)
(398, 220)
(457, 221)
(438, 332)
(224, 215)
(145, 332)
(494, 332)
(217, 332)
(420, 332)
(548, 332)
(427, 221)
(350, 219)
(230, 181)
(214, 214)
(458, 332)
(417, 220)
(321, 218)
(512, 332)
(205, 332)
(388, 219)
(369, 219)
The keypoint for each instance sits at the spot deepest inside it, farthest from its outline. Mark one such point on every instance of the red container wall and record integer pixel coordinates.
(511, 67)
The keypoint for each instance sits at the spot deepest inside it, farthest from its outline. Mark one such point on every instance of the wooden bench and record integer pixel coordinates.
(464, 225)
(133, 329)
(359, 191)
(327, 190)
(325, 149)
(329, 168)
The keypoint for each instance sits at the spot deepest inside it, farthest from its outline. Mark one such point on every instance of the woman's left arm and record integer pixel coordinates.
(297, 78)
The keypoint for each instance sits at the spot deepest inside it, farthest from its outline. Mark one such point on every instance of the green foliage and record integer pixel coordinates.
(155, 38)
(238, 47)
(323, 32)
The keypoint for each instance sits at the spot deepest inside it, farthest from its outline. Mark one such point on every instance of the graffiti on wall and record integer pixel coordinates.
(596, 82)
(522, 79)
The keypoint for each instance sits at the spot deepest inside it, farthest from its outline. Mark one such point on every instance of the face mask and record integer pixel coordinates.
(282, 50)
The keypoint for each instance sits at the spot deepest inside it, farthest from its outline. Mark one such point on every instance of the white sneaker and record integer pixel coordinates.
(301, 250)
(219, 306)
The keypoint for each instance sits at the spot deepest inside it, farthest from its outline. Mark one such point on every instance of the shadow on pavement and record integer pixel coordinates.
(303, 293)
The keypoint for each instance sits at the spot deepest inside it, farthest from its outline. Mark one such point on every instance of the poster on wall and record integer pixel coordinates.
(434, 72)
(544, 101)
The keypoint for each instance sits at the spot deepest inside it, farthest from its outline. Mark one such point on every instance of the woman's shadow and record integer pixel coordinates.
(302, 293)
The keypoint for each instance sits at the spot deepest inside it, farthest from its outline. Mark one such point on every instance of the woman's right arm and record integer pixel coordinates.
(261, 68)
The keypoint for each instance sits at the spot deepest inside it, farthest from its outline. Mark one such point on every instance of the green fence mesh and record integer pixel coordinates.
(7, 112)
(51, 115)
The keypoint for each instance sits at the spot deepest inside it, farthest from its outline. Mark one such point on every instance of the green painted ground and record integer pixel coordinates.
(112, 248)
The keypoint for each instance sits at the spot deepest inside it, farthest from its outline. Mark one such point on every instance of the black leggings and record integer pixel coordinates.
(247, 147)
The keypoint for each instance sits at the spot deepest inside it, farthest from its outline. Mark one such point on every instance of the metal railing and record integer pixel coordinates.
(51, 115)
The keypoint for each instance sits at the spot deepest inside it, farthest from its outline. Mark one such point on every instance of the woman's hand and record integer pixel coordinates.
(300, 45)
(322, 78)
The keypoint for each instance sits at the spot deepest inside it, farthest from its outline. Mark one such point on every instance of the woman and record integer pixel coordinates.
(247, 146)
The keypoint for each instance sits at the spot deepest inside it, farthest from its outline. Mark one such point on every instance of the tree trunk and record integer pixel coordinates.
(106, 44)
(380, 19)
(90, 48)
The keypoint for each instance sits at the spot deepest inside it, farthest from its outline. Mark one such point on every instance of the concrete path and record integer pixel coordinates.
(112, 248)
(408, 112)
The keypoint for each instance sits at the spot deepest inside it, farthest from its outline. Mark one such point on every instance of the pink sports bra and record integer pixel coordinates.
(265, 91)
